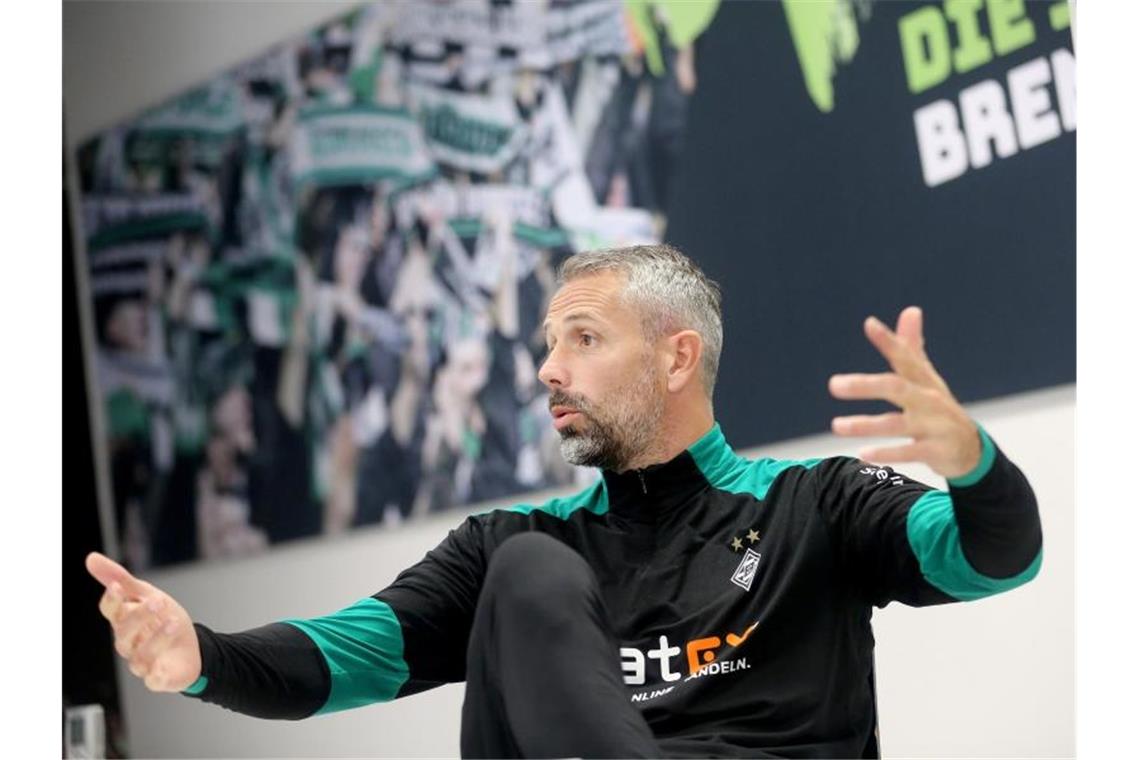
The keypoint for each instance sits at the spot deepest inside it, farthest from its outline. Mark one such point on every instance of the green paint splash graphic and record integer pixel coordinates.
(826, 35)
(684, 21)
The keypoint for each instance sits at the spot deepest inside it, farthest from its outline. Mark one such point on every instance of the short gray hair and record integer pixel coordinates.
(667, 288)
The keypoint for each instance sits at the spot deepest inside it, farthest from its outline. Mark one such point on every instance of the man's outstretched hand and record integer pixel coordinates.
(942, 435)
(152, 631)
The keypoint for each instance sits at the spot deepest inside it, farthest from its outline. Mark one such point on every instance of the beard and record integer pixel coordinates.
(616, 430)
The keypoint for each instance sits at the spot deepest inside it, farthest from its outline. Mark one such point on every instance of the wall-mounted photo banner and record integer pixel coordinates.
(850, 158)
(318, 280)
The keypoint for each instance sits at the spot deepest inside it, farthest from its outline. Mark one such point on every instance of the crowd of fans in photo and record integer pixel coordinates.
(318, 280)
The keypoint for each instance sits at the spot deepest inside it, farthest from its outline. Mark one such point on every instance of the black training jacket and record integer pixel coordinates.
(740, 590)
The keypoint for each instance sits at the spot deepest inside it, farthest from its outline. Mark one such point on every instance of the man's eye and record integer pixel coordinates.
(586, 339)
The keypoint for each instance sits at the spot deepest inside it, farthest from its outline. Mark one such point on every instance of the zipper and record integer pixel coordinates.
(641, 477)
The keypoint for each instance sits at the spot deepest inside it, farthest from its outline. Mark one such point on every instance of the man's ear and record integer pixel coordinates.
(685, 351)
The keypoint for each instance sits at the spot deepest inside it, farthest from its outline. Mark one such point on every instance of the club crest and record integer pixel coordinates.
(746, 570)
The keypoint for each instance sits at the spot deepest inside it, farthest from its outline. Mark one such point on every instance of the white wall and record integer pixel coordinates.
(122, 57)
(992, 678)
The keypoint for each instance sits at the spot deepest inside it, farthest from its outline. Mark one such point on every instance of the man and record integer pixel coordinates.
(691, 603)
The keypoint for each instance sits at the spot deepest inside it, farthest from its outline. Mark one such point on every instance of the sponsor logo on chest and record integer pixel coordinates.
(699, 657)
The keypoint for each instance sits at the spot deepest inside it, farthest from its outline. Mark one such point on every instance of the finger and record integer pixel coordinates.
(138, 669)
(889, 424)
(903, 359)
(915, 451)
(126, 630)
(130, 644)
(110, 602)
(116, 607)
(886, 386)
(163, 677)
(140, 653)
(909, 328)
(156, 680)
(159, 638)
(107, 571)
(134, 623)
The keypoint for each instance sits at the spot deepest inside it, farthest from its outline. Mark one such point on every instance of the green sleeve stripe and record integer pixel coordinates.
(197, 687)
(985, 464)
(932, 532)
(364, 648)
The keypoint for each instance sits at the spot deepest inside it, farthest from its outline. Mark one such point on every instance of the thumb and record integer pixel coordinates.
(107, 571)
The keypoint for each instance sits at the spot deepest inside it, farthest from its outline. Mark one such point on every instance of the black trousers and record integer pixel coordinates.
(543, 670)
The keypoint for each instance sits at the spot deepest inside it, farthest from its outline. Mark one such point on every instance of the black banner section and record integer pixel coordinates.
(813, 219)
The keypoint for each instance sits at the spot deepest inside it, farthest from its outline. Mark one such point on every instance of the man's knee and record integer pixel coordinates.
(532, 573)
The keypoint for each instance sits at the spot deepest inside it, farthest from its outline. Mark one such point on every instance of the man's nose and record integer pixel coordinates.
(552, 373)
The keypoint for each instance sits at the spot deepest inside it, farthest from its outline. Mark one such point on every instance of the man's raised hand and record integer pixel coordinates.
(153, 633)
(942, 435)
